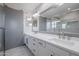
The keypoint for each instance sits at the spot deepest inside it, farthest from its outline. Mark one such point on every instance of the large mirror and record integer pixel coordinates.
(34, 24)
(68, 28)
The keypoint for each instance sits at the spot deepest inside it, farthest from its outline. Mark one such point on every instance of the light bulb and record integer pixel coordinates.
(29, 19)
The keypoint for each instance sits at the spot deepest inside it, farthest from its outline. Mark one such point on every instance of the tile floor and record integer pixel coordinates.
(1, 53)
(18, 51)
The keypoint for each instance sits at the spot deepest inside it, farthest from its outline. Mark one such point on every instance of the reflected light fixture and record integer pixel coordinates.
(36, 14)
(68, 9)
(30, 24)
(29, 19)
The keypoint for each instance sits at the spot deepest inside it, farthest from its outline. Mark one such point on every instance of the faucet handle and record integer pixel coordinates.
(68, 38)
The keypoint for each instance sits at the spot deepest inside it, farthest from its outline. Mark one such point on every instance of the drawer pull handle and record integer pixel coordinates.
(40, 43)
(34, 50)
(34, 40)
(33, 43)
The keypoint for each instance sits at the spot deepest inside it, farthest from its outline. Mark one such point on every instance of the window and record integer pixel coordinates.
(53, 25)
(56, 23)
(48, 25)
(63, 26)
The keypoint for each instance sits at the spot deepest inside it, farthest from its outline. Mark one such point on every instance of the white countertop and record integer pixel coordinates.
(71, 45)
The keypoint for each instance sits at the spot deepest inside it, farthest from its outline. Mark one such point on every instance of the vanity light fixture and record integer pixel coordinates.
(36, 14)
(69, 9)
(30, 24)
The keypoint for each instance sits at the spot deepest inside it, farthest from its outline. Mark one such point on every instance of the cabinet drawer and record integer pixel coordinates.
(38, 41)
(33, 42)
(33, 39)
(41, 43)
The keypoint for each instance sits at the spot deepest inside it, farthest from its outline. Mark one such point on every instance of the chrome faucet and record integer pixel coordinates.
(63, 37)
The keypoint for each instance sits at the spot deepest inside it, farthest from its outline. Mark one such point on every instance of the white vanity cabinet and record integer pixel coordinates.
(42, 48)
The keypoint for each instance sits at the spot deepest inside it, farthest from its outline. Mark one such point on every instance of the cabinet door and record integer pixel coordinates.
(56, 51)
(29, 43)
(43, 50)
(50, 48)
(35, 50)
(26, 40)
(13, 28)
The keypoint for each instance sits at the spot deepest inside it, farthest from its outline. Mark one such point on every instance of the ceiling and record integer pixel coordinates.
(55, 11)
(30, 8)
(26, 7)
(61, 10)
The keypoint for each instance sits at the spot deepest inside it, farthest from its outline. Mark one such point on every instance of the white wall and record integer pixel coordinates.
(27, 27)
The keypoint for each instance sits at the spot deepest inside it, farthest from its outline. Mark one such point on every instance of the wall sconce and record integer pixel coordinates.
(36, 14)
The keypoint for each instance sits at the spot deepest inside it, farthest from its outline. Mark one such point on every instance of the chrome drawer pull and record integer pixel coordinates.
(40, 43)
(34, 40)
(34, 50)
(33, 43)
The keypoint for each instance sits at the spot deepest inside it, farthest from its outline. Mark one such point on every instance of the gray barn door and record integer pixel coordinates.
(14, 28)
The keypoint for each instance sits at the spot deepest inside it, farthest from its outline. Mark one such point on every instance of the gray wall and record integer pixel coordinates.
(1, 17)
(1, 26)
(14, 27)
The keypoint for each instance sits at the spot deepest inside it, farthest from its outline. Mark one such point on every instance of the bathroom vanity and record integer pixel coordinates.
(49, 45)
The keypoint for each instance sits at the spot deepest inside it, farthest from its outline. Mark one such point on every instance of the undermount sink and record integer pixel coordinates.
(64, 42)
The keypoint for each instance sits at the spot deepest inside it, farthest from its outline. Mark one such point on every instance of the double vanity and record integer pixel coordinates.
(41, 44)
